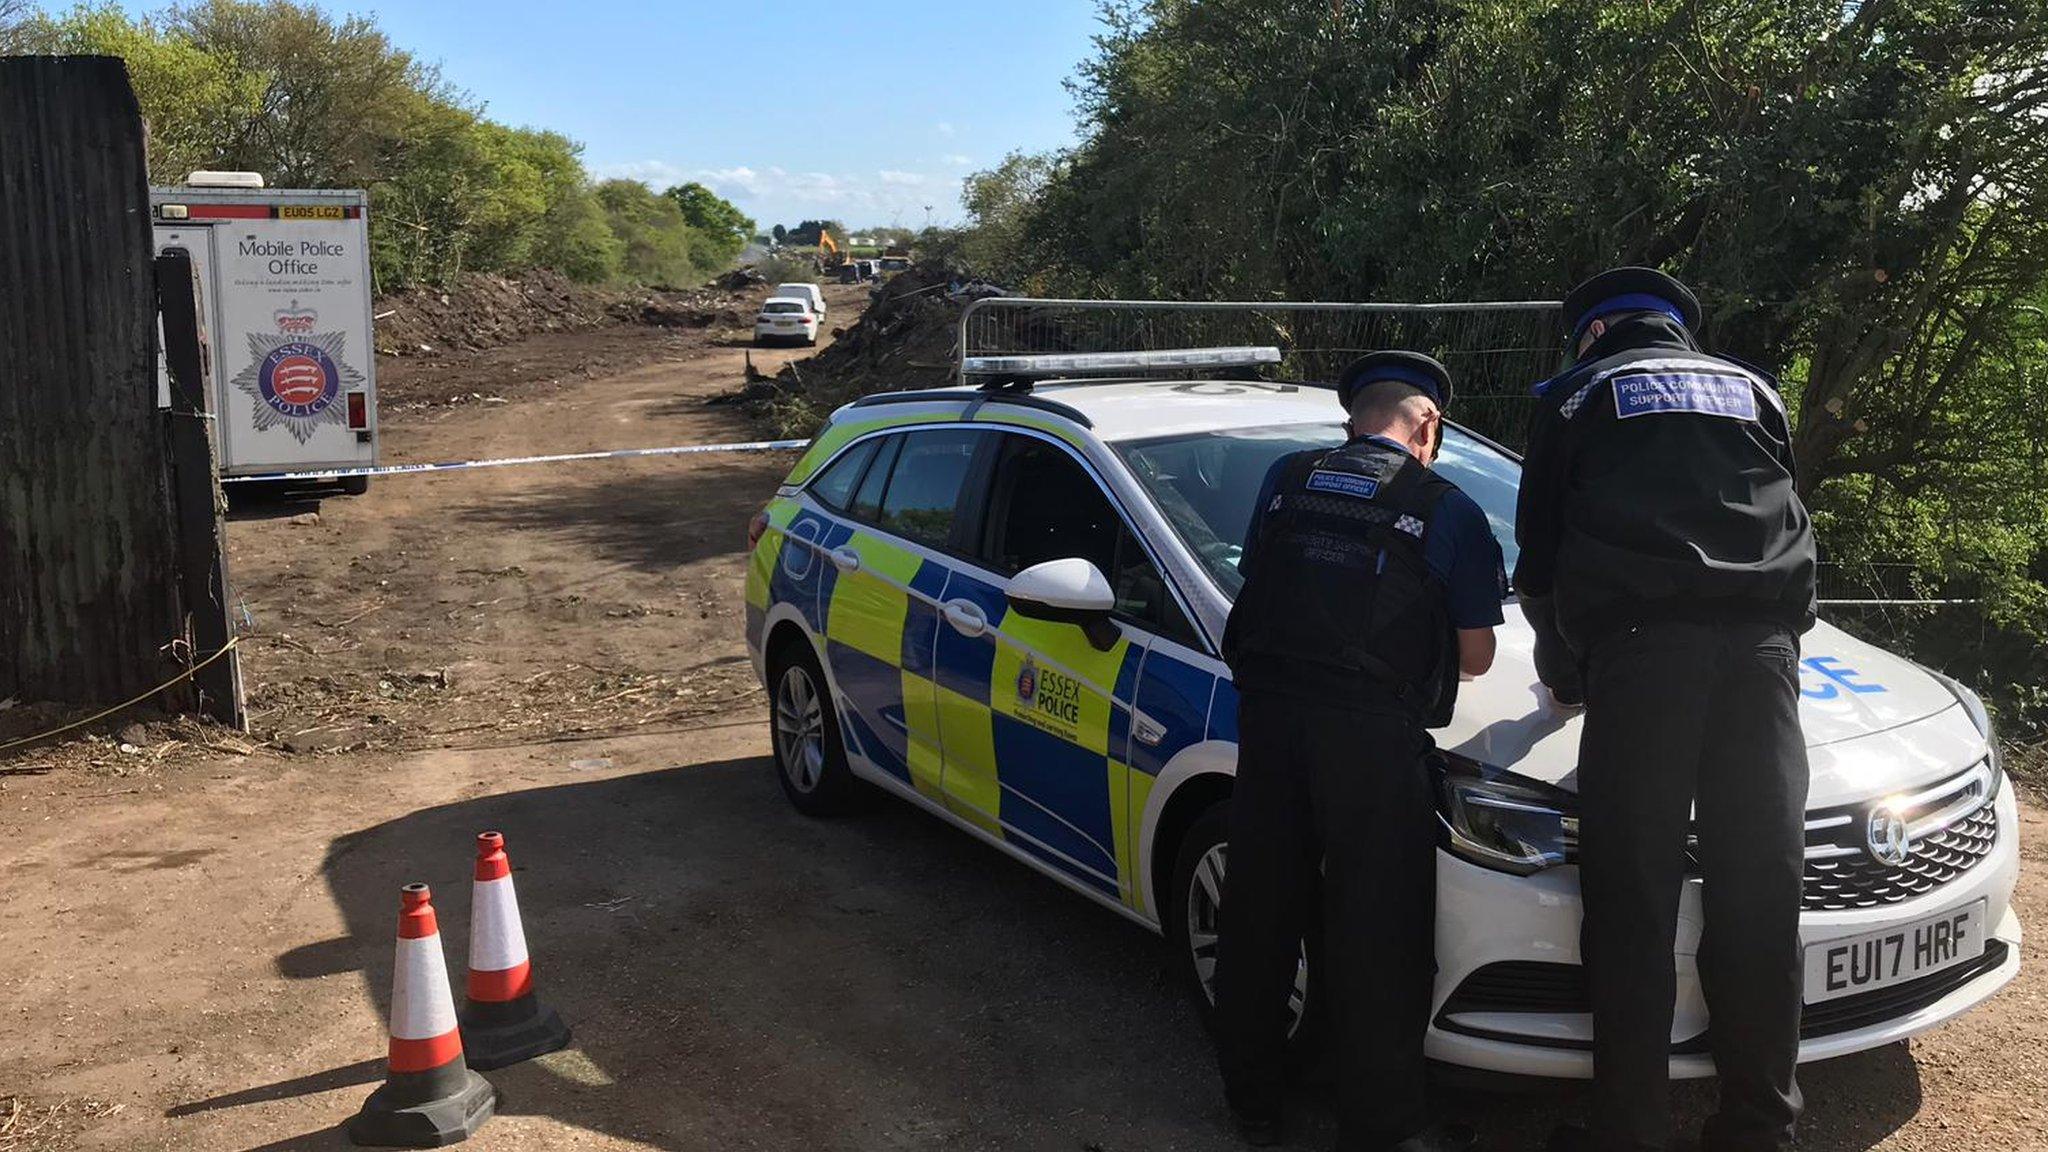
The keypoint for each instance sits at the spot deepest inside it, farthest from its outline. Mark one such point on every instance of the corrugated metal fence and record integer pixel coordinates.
(88, 556)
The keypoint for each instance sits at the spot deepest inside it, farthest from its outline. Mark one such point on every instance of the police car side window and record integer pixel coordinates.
(834, 487)
(1045, 506)
(925, 483)
(867, 502)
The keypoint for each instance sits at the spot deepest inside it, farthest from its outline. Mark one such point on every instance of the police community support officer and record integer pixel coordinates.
(1370, 583)
(1664, 549)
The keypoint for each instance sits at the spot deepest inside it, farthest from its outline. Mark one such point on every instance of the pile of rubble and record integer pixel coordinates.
(741, 279)
(485, 310)
(905, 339)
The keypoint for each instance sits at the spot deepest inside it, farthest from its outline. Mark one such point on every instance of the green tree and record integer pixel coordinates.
(712, 215)
(191, 99)
(307, 100)
(337, 97)
(571, 234)
(14, 14)
(655, 240)
(807, 233)
(999, 202)
(1857, 191)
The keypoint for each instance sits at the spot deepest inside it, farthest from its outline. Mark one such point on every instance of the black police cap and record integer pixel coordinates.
(1630, 290)
(1407, 367)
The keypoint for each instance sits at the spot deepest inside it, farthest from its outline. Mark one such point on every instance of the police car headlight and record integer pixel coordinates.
(1502, 821)
(1973, 707)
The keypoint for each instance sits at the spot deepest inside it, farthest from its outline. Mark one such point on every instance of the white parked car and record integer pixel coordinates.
(1004, 607)
(810, 293)
(785, 319)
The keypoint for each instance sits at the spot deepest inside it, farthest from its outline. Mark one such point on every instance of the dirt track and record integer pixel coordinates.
(195, 948)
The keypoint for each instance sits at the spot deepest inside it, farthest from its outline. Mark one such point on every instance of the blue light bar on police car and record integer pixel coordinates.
(1042, 365)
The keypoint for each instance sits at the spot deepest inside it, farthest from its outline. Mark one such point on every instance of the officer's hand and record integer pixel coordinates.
(1564, 701)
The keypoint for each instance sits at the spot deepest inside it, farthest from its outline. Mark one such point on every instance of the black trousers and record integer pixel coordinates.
(1335, 801)
(1700, 722)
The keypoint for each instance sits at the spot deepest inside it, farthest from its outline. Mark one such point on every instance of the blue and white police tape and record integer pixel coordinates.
(509, 461)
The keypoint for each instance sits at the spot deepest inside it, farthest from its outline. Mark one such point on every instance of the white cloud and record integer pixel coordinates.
(945, 128)
(772, 193)
(956, 160)
(654, 173)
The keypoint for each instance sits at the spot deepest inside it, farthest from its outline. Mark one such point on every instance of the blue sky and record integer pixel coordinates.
(863, 112)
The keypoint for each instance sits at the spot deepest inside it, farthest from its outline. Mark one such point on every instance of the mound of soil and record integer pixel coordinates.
(905, 339)
(485, 310)
(525, 335)
(482, 310)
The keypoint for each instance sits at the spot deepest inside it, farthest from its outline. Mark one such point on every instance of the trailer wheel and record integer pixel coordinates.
(355, 485)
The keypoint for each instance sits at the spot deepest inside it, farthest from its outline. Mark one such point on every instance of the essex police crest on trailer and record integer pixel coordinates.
(297, 374)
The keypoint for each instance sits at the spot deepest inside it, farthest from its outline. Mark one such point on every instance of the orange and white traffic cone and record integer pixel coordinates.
(503, 1023)
(429, 1098)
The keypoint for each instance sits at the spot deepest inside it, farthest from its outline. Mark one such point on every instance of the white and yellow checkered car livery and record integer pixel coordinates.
(1101, 753)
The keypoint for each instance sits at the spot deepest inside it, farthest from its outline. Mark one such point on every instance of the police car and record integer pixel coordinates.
(1003, 605)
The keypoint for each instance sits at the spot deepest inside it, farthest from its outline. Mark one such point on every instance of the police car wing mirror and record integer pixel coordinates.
(1071, 591)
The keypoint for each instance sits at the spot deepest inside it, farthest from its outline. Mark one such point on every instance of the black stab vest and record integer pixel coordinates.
(1340, 600)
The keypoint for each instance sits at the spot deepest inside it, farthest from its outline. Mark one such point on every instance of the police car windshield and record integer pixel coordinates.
(1206, 483)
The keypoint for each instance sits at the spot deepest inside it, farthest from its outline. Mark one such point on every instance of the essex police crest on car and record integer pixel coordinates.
(1048, 699)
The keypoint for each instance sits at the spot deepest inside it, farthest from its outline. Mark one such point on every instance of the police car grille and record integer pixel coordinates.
(1841, 874)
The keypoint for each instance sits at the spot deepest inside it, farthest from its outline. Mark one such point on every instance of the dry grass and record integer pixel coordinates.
(31, 1125)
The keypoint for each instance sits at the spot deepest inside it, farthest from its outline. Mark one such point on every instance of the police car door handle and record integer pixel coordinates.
(1145, 730)
(845, 559)
(966, 617)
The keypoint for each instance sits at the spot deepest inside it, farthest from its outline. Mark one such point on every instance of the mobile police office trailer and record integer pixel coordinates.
(285, 284)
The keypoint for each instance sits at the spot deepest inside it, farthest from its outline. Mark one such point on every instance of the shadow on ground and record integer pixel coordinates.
(652, 518)
(275, 500)
(739, 976)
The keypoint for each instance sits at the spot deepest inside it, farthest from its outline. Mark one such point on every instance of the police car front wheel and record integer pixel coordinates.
(809, 759)
(1194, 921)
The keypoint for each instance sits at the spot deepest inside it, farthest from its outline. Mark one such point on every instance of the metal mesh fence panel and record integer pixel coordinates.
(1494, 350)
